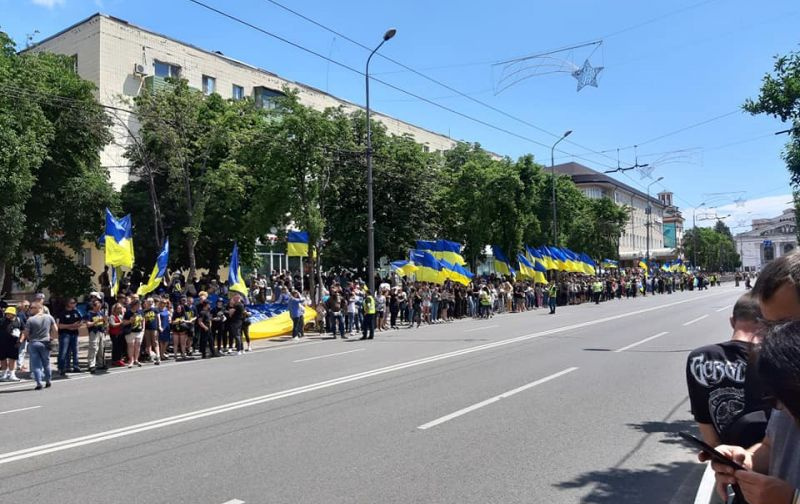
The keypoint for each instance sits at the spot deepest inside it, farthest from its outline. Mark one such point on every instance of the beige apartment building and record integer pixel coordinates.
(123, 60)
(633, 243)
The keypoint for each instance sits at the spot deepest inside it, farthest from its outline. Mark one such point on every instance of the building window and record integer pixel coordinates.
(265, 97)
(425, 148)
(209, 85)
(85, 257)
(166, 69)
(238, 92)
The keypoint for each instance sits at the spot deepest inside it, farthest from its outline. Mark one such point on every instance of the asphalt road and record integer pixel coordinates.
(583, 406)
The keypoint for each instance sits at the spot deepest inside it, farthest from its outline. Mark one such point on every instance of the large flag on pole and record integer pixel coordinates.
(501, 263)
(158, 273)
(297, 244)
(235, 281)
(119, 240)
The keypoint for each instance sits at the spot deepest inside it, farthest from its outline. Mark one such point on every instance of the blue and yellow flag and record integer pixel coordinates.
(427, 245)
(455, 272)
(547, 258)
(541, 273)
(588, 263)
(501, 263)
(449, 251)
(235, 281)
(609, 264)
(115, 274)
(297, 244)
(119, 240)
(559, 259)
(403, 268)
(429, 268)
(158, 273)
(643, 265)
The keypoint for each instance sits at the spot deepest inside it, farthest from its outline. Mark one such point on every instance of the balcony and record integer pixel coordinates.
(154, 84)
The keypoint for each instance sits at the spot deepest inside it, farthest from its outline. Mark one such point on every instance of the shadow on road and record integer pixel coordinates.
(667, 483)
(660, 484)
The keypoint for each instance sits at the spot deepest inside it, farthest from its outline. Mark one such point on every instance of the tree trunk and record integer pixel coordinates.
(158, 224)
(312, 281)
(190, 245)
(2, 278)
(319, 274)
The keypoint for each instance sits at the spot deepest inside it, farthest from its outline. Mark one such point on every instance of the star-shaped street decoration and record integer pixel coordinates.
(740, 202)
(586, 75)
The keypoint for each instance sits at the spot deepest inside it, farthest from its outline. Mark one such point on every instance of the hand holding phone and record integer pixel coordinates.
(709, 450)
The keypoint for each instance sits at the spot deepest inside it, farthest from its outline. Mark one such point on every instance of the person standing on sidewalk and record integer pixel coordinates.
(68, 324)
(297, 311)
(151, 331)
(40, 329)
(10, 331)
(96, 321)
(136, 334)
(369, 315)
(236, 314)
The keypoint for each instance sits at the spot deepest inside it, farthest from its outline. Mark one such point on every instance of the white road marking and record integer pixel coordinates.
(160, 423)
(481, 328)
(640, 342)
(234, 501)
(18, 409)
(725, 308)
(494, 399)
(330, 355)
(698, 319)
(164, 365)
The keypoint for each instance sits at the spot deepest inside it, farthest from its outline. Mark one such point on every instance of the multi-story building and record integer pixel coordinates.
(673, 223)
(123, 60)
(633, 244)
(768, 239)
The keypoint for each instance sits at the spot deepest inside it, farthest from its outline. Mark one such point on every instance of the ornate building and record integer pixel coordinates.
(769, 238)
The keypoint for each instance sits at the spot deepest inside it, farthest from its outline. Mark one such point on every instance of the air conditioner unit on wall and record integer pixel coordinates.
(139, 70)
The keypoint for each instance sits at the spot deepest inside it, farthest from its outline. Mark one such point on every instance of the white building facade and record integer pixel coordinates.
(124, 60)
(769, 239)
(633, 243)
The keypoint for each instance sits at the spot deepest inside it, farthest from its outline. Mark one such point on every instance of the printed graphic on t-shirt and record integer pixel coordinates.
(712, 372)
(725, 405)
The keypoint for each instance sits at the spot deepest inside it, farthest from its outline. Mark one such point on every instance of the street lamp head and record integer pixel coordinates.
(391, 32)
(659, 179)
(567, 133)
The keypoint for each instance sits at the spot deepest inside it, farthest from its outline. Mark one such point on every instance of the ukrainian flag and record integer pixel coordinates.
(449, 251)
(427, 245)
(572, 261)
(547, 258)
(158, 273)
(643, 265)
(501, 263)
(588, 263)
(609, 264)
(455, 272)
(540, 273)
(559, 259)
(525, 267)
(235, 281)
(115, 273)
(297, 245)
(119, 240)
(429, 269)
(403, 268)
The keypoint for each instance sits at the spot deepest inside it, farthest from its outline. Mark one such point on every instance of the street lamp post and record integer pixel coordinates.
(370, 224)
(694, 234)
(649, 213)
(553, 177)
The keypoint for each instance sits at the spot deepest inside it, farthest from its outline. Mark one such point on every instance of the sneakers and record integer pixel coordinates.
(138, 364)
(239, 353)
(249, 348)
(13, 378)
(157, 362)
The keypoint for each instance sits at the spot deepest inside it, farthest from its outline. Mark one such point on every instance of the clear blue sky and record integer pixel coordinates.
(668, 65)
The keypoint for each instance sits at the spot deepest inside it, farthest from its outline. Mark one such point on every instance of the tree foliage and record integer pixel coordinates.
(714, 248)
(51, 132)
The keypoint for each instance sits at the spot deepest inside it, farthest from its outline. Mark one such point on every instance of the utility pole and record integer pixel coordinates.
(553, 180)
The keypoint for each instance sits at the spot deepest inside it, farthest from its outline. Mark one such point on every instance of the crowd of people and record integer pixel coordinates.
(188, 318)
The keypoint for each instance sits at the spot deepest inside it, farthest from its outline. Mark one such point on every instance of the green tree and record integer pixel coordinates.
(715, 250)
(598, 228)
(54, 189)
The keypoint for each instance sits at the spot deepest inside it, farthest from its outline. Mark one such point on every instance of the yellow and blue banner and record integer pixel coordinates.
(158, 273)
(609, 264)
(588, 263)
(235, 281)
(449, 251)
(643, 265)
(119, 240)
(115, 274)
(547, 258)
(297, 245)
(403, 268)
(501, 263)
(428, 267)
(455, 272)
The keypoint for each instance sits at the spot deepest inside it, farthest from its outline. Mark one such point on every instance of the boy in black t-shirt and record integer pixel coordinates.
(725, 395)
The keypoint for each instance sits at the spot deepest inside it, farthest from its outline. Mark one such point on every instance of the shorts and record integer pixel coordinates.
(164, 337)
(8, 348)
(132, 337)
